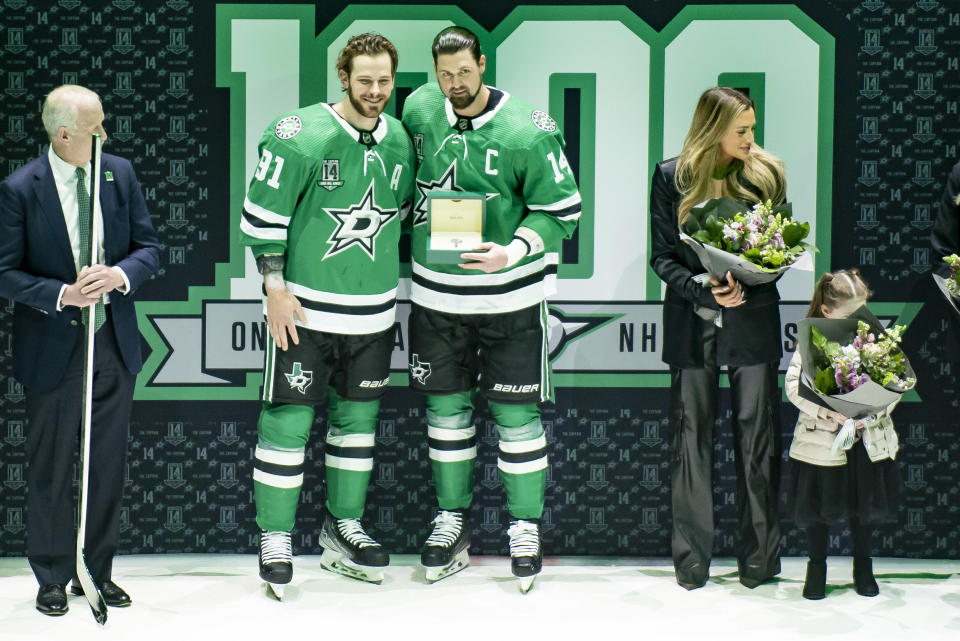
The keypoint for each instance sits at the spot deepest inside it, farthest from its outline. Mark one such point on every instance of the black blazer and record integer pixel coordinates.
(946, 231)
(36, 260)
(751, 332)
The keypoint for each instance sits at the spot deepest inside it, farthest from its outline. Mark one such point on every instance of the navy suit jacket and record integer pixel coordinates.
(36, 260)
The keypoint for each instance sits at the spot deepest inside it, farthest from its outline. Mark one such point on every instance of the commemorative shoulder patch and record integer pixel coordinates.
(543, 121)
(288, 127)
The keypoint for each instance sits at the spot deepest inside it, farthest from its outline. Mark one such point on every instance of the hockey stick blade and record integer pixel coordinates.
(97, 605)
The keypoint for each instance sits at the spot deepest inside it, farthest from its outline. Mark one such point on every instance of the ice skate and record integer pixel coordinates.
(447, 549)
(526, 557)
(349, 550)
(276, 561)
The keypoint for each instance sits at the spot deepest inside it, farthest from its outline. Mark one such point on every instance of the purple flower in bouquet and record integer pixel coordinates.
(865, 358)
(756, 246)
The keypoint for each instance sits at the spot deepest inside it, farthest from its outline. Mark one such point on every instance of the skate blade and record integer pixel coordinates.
(460, 562)
(526, 583)
(275, 590)
(335, 562)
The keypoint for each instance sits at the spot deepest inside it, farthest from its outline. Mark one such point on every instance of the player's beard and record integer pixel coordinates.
(465, 100)
(365, 109)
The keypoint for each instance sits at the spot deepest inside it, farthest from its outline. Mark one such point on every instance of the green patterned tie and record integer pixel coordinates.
(83, 200)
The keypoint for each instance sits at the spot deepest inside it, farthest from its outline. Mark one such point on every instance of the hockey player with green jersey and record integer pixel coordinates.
(323, 217)
(481, 324)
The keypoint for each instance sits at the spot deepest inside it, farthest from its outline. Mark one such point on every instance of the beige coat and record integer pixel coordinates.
(815, 433)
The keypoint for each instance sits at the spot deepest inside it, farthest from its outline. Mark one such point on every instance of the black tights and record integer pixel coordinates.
(817, 536)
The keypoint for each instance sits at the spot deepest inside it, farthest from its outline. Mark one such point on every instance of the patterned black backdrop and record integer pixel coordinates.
(188, 486)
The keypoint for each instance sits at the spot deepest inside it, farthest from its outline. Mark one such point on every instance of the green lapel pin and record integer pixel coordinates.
(108, 175)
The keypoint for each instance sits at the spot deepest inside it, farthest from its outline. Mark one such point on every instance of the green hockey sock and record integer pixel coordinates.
(282, 433)
(452, 440)
(349, 454)
(522, 459)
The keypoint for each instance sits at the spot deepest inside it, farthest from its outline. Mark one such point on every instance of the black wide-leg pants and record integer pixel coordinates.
(53, 423)
(757, 448)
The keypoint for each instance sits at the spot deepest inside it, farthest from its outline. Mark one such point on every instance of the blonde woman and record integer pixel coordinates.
(726, 324)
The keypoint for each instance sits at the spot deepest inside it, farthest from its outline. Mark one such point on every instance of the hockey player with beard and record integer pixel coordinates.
(323, 217)
(484, 320)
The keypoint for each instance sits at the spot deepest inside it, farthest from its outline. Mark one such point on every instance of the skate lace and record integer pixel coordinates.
(446, 528)
(275, 547)
(352, 531)
(524, 538)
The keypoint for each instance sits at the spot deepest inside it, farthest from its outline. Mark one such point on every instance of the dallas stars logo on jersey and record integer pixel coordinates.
(447, 182)
(358, 225)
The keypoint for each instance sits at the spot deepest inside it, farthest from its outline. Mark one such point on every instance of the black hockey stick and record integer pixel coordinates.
(97, 605)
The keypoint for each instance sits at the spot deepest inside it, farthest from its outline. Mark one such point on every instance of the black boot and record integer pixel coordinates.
(863, 579)
(815, 585)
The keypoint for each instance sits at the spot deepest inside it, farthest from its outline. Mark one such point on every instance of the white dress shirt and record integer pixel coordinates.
(65, 177)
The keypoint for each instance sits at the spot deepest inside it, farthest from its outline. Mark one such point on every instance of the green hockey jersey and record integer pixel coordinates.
(331, 199)
(513, 154)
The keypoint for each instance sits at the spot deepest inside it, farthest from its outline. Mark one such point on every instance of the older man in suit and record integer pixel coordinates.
(45, 226)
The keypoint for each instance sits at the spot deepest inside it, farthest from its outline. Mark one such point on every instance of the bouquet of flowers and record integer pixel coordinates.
(950, 287)
(953, 283)
(853, 365)
(755, 246)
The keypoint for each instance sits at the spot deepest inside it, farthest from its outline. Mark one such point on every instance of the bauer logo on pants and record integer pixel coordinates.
(299, 379)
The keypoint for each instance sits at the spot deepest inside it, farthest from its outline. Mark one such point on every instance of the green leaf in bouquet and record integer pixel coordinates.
(825, 381)
(703, 236)
(820, 342)
(791, 253)
(698, 216)
(753, 255)
(727, 208)
(720, 207)
(794, 232)
(818, 339)
(832, 350)
(774, 261)
(715, 227)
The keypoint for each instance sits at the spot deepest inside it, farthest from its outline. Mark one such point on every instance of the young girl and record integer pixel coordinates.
(861, 483)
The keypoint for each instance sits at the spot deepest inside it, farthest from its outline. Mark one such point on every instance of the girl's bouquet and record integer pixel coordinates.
(853, 365)
(756, 246)
(951, 286)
